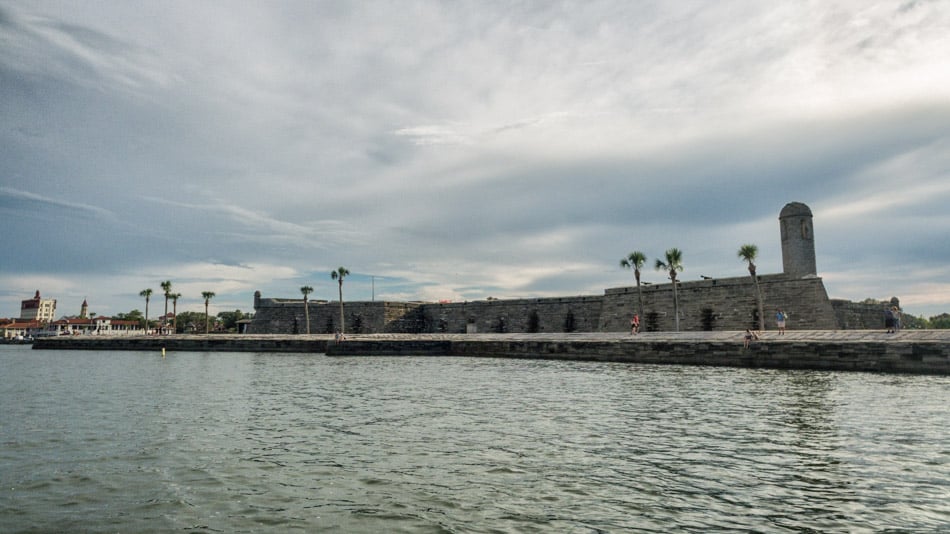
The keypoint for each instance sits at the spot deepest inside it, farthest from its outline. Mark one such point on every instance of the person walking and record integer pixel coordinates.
(635, 324)
(780, 319)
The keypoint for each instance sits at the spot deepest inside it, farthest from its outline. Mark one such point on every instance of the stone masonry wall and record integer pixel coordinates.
(286, 316)
(719, 304)
(858, 315)
(722, 304)
(563, 314)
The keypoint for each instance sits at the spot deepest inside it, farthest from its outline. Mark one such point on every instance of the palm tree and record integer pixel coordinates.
(175, 297)
(147, 293)
(673, 264)
(339, 275)
(208, 295)
(635, 260)
(167, 288)
(306, 290)
(748, 253)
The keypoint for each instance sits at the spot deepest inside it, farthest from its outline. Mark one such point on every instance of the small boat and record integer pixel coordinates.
(19, 340)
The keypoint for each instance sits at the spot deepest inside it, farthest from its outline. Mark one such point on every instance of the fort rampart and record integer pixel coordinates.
(707, 305)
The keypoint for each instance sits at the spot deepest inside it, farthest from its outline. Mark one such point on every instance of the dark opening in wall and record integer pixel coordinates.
(534, 322)
(652, 322)
(501, 326)
(708, 319)
(569, 322)
(356, 323)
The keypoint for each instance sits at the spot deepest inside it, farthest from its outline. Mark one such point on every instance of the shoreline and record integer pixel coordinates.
(908, 351)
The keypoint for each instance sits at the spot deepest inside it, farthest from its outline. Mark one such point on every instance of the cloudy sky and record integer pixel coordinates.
(465, 149)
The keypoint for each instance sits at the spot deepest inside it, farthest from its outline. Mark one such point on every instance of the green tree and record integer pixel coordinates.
(229, 319)
(147, 293)
(306, 290)
(748, 253)
(190, 321)
(167, 288)
(940, 321)
(673, 265)
(207, 295)
(912, 322)
(134, 315)
(339, 275)
(636, 260)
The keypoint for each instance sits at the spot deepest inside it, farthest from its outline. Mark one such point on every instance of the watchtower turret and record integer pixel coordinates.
(798, 240)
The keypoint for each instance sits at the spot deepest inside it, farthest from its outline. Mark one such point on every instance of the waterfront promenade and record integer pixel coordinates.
(909, 351)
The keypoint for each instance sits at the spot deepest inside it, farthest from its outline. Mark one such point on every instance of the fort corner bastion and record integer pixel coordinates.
(710, 304)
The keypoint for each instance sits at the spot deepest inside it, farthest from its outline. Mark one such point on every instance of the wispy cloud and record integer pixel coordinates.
(16, 197)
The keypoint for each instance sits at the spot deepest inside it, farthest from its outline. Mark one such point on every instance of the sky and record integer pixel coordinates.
(459, 150)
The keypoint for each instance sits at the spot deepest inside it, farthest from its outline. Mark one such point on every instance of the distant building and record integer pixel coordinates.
(38, 309)
(16, 328)
(103, 326)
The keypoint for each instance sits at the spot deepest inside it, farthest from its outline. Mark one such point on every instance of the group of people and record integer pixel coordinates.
(750, 335)
(892, 319)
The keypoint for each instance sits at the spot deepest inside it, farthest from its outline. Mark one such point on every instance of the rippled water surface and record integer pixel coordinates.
(241, 442)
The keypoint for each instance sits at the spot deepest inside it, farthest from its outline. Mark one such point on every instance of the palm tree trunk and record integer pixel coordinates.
(640, 298)
(207, 328)
(342, 328)
(306, 313)
(758, 297)
(676, 305)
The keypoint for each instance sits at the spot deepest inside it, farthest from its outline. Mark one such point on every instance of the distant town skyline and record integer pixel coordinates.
(465, 150)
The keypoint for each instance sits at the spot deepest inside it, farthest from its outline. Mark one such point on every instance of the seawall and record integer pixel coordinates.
(189, 343)
(917, 352)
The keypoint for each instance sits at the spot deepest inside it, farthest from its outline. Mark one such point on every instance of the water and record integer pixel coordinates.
(240, 442)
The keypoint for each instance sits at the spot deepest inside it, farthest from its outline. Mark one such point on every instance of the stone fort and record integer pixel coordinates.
(708, 304)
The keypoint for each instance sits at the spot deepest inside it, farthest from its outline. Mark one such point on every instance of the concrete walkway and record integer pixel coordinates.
(720, 336)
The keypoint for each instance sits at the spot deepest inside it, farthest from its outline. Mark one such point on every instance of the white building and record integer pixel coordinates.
(38, 309)
(100, 326)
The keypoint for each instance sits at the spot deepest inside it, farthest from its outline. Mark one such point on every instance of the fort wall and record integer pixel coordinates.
(286, 316)
(560, 314)
(858, 315)
(717, 304)
(722, 304)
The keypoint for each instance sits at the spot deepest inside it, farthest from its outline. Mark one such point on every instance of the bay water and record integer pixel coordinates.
(100, 441)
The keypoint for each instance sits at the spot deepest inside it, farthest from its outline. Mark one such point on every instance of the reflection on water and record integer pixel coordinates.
(113, 441)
